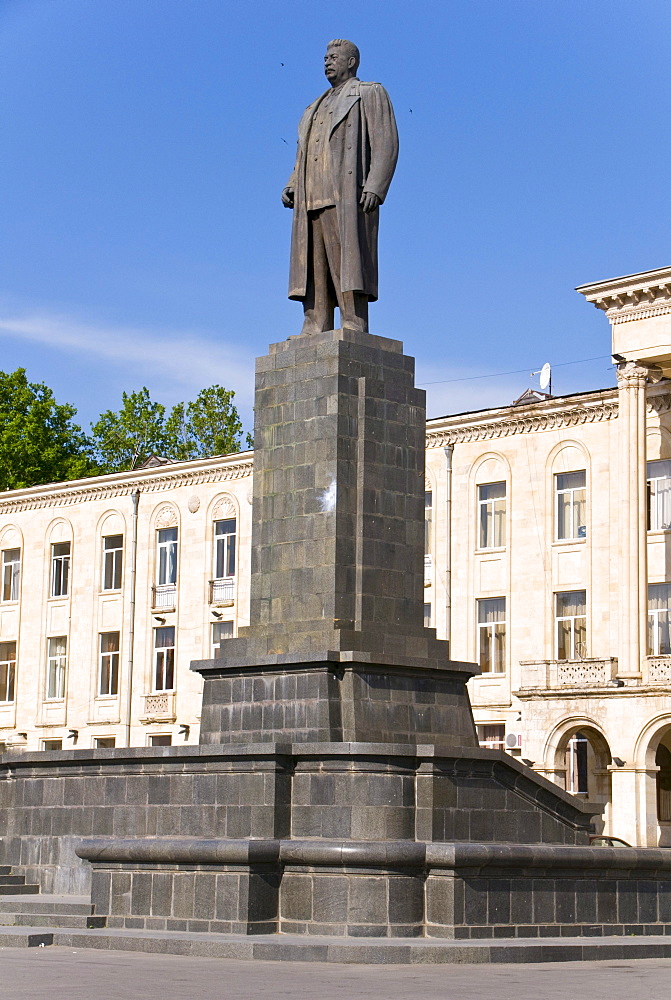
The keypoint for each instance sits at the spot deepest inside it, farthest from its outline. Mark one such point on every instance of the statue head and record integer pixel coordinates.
(341, 61)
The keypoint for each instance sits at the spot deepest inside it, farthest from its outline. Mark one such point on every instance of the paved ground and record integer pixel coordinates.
(32, 974)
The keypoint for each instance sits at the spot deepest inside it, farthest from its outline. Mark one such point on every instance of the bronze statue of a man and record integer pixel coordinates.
(347, 152)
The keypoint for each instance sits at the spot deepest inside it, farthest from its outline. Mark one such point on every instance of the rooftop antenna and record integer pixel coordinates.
(545, 380)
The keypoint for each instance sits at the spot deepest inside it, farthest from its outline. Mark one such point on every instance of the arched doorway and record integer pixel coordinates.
(653, 765)
(581, 764)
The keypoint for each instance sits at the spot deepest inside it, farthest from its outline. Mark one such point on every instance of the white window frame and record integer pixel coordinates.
(488, 741)
(167, 554)
(11, 574)
(492, 636)
(659, 620)
(574, 642)
(575, 767)
(225, 549)
(108, 665)
(163, 661)
(60, 570)
(7, 673)
(215, 641)
(112, 558)
(57, 665)
(492, 515)
(659, 495)
(569, 497)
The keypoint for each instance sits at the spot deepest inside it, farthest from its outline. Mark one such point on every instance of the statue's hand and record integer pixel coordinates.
(288, 197)
(369, 201)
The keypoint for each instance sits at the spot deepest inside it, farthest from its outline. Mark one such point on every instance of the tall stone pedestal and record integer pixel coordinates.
(336, 649)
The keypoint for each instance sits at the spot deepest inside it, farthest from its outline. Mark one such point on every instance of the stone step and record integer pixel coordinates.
(360, 951)
(22, 889)
(47, 903)
(12, 879)
(5, 869)
(51, 920)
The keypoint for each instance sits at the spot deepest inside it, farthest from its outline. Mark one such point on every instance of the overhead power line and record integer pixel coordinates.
(519, 371)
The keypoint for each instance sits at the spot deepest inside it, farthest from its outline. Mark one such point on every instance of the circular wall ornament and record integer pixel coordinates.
(193, 504)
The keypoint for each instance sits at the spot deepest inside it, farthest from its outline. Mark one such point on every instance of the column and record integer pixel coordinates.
(633, 585)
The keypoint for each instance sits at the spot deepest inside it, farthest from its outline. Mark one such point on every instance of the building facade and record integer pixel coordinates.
(548, 561)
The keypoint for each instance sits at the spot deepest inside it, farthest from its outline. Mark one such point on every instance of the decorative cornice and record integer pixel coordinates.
(633, 297)
(659, 404)
(502, 425)
(107, 487)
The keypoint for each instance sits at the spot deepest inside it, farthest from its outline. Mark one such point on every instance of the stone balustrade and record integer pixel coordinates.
(657, 670)
(554, 674)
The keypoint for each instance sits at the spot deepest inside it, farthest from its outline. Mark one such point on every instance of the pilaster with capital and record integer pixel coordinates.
(631, 381)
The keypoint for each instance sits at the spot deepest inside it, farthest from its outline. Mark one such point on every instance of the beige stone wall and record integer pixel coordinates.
(188, 495)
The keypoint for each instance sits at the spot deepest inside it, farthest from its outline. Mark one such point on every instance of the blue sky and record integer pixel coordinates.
(145, 144)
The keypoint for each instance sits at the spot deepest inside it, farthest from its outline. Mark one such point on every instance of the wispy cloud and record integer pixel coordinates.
(186, 359)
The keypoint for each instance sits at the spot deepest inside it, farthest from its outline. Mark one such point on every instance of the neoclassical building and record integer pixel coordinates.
(548, 562)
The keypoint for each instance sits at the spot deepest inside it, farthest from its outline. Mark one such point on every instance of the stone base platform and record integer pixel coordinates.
(349, 951)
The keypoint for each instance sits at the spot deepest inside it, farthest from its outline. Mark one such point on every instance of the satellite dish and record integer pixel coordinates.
(546, 376)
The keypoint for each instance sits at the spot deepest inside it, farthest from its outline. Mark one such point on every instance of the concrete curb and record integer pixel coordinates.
(361, 951)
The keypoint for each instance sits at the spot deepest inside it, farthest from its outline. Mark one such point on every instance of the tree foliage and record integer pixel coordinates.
(208, 425)
(39, 443)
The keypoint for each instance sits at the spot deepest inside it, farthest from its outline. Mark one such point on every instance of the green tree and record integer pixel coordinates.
(210, 425)
(125, 439)
(39, 443)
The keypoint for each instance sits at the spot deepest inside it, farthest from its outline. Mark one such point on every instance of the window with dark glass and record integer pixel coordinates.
(112, 562)
(659, 495)
(109, 663)
(659, 619)
(7, 671)
(164, 658)
(224, 537)
(160, 740)
(11, 574)
(104, 742)
(60, 569)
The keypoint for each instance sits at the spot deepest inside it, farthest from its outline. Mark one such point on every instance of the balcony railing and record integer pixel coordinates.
(164, 596)
(657, 670)
(222, 591)
(159, 707)
(553, 674)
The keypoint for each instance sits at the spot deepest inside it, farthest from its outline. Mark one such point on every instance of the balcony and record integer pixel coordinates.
(222, 591)
(159, 707)
(657, 670)
(164, 597)
(543, 675)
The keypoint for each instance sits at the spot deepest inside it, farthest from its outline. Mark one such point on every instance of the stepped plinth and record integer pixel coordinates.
(336, 649)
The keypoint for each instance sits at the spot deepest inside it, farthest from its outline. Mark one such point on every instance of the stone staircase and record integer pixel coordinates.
(15, 885)
(48, 911)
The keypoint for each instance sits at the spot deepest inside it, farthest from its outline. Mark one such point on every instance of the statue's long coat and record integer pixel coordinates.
(364, 148)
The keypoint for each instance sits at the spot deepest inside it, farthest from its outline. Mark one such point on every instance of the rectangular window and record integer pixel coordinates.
(492, 735)
(164, 658)
(56, 666)
(7, 670)
(224, 538)
(571, 617)
(112, 561)
(167, 556)
(427, 616)
(52, 744)
(60, 569)
(571, 501)
(659, 496)
(492, 635)
(109, 663)
(428, 523)
(104, 742)
(11, 574)
(220, 631)
(492, 515)
(162, 740)
(659, 619)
